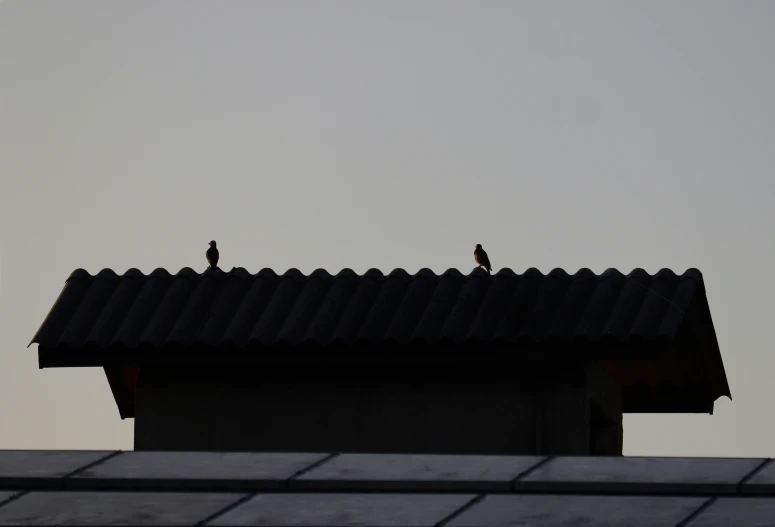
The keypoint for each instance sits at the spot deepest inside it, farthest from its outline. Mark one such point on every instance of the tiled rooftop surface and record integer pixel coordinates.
(242, 309)
(199, 488)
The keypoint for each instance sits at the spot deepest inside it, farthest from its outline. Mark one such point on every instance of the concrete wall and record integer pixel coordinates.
(536, 410)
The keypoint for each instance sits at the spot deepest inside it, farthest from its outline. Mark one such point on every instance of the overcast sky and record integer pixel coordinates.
(387, 134)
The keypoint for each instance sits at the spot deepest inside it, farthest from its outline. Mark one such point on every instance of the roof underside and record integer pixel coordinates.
(240, 488)
(135, 319)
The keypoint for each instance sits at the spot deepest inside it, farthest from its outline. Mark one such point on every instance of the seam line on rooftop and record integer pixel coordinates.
(526, 473)
(213, 302)
(228, 508)
(94, 325)
(138, 338)
(288, 319)
(450, 310)
(179, 312)
(312, 467)
(746, 479)
(123, 318)
(235, 310)
(476, 499)
(686, 521)
(90, 465)
(315, 313)
(13, 498)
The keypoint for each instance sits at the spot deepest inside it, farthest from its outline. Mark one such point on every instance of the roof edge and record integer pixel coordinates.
(399, 272)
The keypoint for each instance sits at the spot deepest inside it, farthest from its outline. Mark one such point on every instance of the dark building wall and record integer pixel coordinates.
(538, 409)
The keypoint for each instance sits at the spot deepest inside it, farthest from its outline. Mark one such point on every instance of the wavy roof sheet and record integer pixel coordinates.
(242, 309)
(654, 331)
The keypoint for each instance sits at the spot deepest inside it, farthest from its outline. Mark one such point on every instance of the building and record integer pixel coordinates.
(388, 400)
(477, 364)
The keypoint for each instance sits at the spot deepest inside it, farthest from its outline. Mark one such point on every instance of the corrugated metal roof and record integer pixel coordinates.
(655, 332)
(323, 489)
(242, 309)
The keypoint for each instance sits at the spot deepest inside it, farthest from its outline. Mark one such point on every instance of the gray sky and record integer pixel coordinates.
(387, 134)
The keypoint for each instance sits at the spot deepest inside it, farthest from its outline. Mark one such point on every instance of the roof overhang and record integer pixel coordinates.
(654, 379)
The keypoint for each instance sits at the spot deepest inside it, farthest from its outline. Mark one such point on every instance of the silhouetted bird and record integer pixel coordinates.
(481, 258)
(212, 255)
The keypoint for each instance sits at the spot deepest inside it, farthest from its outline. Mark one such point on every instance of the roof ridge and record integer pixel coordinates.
(398, 272)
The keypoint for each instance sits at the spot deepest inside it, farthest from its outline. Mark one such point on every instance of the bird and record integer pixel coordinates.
(212, 255)
(481, 258)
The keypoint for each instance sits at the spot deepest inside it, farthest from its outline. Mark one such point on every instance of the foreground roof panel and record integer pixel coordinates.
(216, 488)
